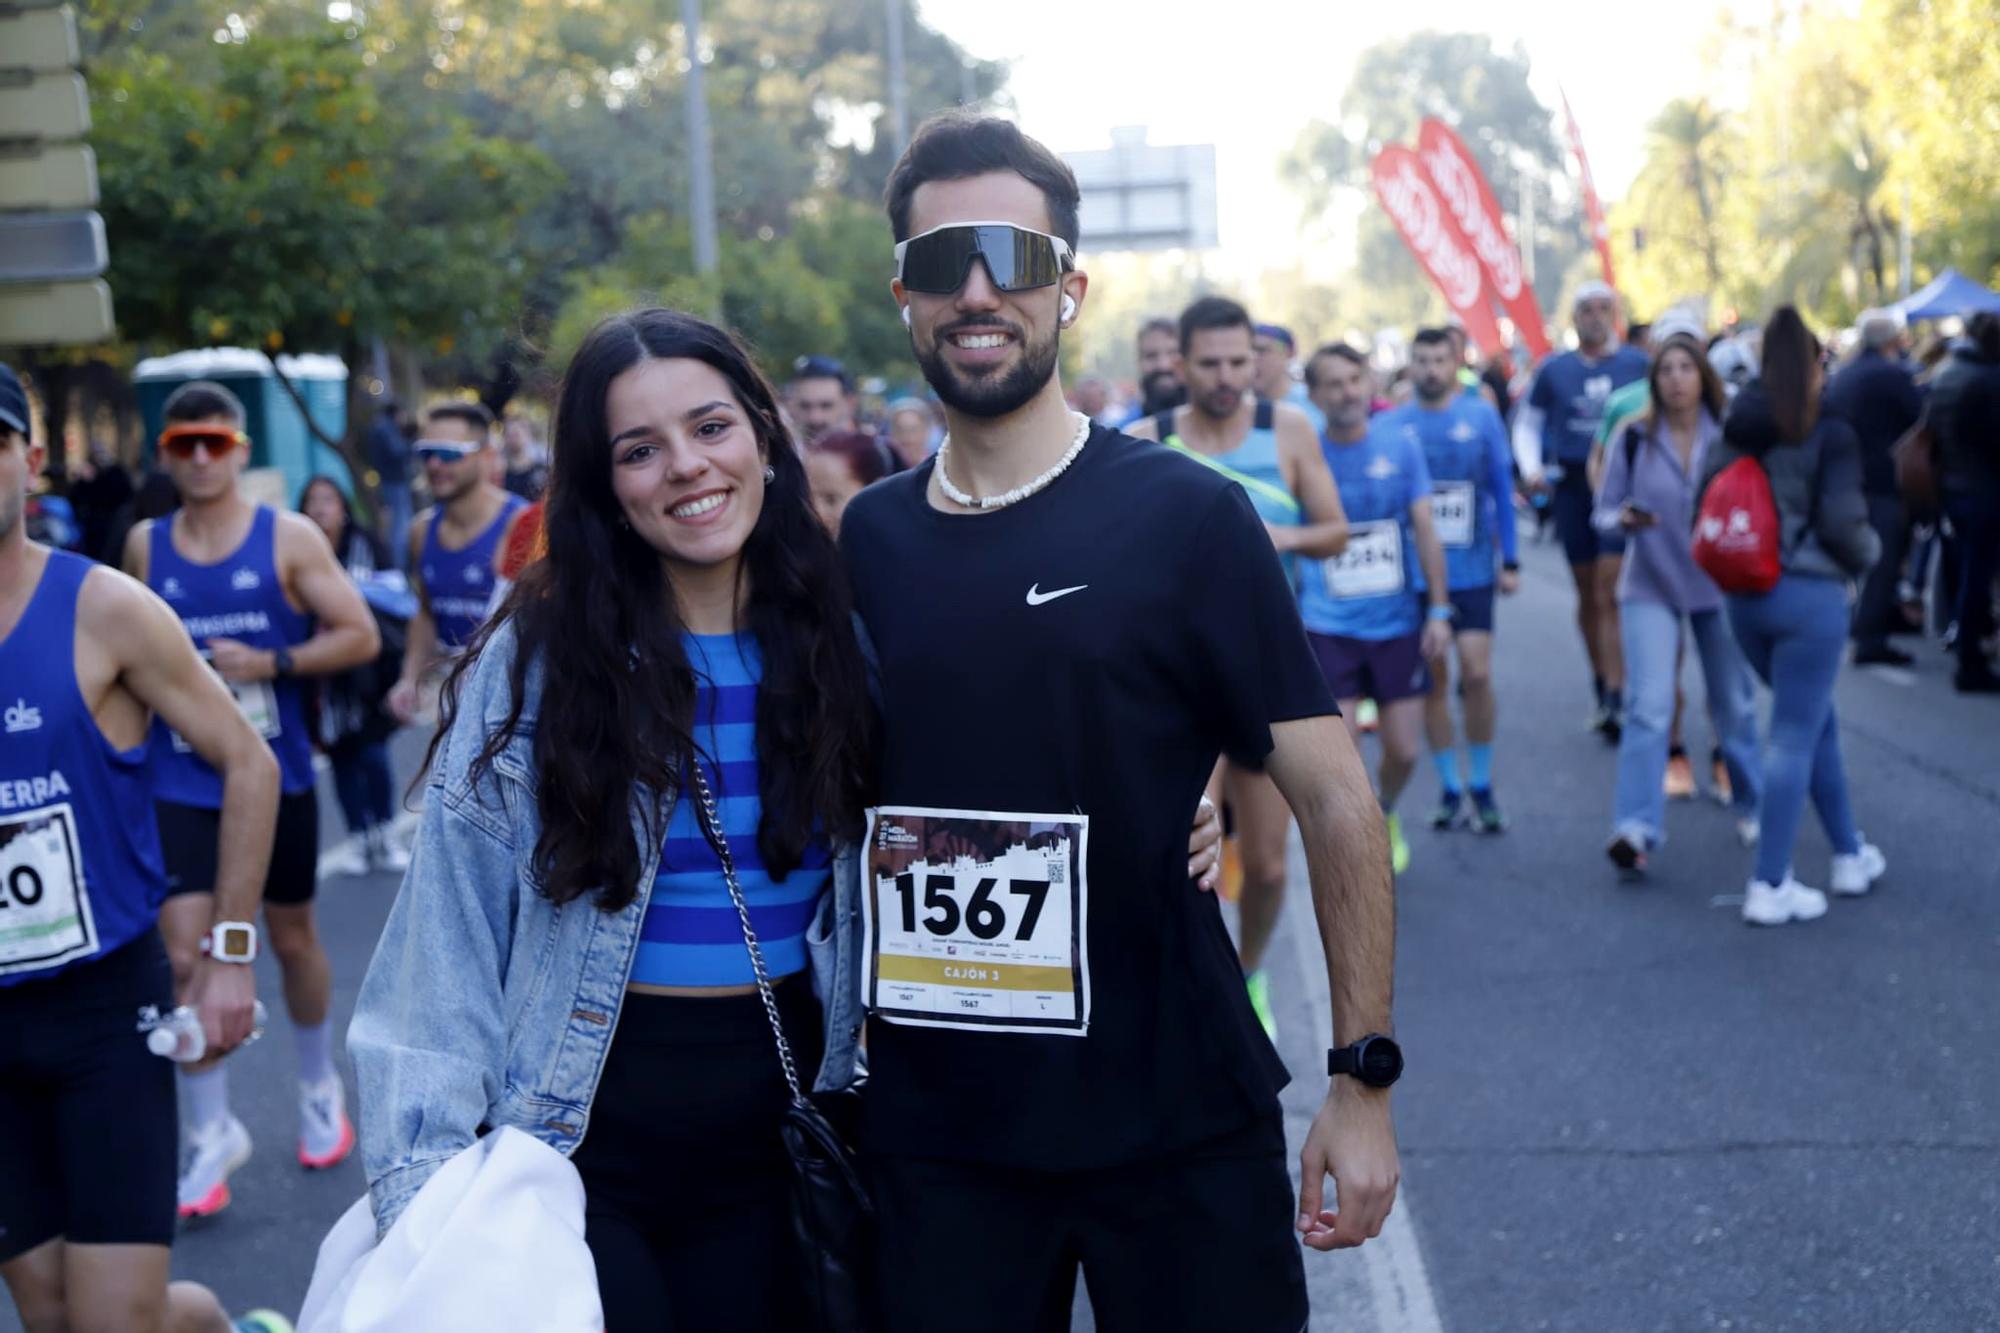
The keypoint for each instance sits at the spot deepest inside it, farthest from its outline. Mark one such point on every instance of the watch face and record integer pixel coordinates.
(235, 941)
(1381, 1062)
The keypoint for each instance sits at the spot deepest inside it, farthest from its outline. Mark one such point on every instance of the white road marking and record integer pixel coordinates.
(1399, 1286)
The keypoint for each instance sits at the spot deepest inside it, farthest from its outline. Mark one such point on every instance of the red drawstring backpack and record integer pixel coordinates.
(1738, 534)
(1736, 531)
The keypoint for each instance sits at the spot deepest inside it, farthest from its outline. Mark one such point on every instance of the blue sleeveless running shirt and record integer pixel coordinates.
(459, 584)
(239, 597)
(80, 870)
(1253, 465)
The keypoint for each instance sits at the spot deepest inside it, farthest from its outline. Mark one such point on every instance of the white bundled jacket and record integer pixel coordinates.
(493, 1240)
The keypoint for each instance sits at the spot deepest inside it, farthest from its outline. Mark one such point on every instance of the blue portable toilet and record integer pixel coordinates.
(283, 452)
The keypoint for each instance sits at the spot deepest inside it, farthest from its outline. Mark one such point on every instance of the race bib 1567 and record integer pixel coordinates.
(977, 920)
(44, 911)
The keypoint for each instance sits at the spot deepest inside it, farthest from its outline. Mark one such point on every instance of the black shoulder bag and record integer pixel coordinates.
(832, 1213)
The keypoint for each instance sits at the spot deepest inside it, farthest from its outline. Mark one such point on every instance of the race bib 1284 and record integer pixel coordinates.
(1372, 563)
(44, 911)
(978, 920)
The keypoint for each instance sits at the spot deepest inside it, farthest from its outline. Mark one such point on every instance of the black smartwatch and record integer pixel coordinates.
(1510, 566)
(1375, 1060)
(281, 662)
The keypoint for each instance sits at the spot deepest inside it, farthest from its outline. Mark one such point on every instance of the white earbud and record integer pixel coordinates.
(906, 316)
(1068, 308)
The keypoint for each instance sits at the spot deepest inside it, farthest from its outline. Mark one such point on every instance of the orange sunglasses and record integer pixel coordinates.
(181, 441)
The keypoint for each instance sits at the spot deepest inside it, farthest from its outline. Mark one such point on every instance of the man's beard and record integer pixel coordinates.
(1219, 404)
(993, 395)
(1160, 391)
(11, 509)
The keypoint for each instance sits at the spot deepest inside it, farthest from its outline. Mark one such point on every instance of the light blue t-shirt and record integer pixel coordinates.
(1380, 476)
(1472, 484)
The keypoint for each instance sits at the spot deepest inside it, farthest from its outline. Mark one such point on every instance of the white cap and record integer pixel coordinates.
(1592, 291)
(1677, 323)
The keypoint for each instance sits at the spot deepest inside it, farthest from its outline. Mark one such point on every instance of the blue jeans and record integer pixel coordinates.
(1793, 637)
(366, 789)
(1651, 634)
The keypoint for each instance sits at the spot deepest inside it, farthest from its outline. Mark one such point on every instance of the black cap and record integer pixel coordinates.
(13, 401)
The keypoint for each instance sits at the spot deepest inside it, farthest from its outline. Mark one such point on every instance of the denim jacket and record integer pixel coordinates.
(488, 1005)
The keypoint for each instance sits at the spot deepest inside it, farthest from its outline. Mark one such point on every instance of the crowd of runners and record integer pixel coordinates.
(737, 733)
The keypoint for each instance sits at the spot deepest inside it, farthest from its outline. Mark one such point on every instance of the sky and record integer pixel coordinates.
(1248, 85)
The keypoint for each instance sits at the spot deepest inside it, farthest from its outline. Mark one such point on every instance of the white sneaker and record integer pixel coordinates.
(213, 1151)
(325, 1134)
(385, 853)
(1854, 875)
(1748, 830)
(1774, 905)
(349, 858)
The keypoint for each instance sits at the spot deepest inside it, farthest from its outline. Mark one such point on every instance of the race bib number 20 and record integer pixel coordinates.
(977, 920)
(44, 912)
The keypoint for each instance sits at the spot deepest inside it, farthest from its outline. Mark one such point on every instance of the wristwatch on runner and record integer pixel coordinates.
(1375, 1060)
(281, 663)
(231, 942)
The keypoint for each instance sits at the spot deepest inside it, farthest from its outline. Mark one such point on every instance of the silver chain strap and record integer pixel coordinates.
(713, 825)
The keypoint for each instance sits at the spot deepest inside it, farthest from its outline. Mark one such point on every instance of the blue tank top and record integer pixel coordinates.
(459, 584)
(691, 935)
(1253, 465)
(239, 597)
(80, 869)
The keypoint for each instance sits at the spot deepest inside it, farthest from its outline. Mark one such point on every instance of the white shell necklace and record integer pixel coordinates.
(1019, 493)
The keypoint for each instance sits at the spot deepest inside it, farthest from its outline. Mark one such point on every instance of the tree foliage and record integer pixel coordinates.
(1481, 91)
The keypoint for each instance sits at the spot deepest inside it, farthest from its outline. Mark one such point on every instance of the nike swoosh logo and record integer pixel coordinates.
(1036, 597)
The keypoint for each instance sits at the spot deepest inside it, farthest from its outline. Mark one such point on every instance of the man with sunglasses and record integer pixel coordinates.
(1071, 621)
(455, 544)
(260, 593)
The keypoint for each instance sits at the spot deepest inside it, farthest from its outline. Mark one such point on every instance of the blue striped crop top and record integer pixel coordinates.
(690, 935)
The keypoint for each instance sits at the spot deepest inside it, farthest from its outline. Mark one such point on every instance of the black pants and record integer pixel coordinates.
(1198, 1240)
(89, 1135)
(1877, 611)
(686, 1184)
(1976, 520)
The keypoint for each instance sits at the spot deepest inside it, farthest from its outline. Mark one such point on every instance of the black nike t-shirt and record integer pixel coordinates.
(1090, 649)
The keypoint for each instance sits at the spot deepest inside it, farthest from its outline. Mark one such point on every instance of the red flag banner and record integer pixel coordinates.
(1600, 235)
(1469, 199)
(1406, 190)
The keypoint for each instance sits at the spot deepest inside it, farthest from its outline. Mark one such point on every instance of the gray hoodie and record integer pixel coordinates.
(1816, 485)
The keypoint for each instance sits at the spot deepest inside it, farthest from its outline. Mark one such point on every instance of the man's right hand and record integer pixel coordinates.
(224, 995)
(1633, 519)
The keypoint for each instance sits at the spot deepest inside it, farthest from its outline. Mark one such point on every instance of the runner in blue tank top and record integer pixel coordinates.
(1365, 610)
(1271, 450)
(454, 545)
(249, 584)
(87, 1112)
(1472, 501)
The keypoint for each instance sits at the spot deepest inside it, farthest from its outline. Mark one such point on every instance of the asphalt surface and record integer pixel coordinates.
(1625, 1110)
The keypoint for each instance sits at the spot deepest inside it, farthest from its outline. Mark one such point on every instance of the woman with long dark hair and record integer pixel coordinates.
(1647, 496)
(687, 628)
(1794, 635)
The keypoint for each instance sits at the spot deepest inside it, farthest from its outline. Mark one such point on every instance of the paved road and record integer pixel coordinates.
(1625, 1110)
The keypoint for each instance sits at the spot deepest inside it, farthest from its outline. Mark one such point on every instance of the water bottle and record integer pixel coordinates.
(179, 1037)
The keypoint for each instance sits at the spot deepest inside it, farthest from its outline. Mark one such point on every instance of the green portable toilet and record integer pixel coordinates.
(283, 453)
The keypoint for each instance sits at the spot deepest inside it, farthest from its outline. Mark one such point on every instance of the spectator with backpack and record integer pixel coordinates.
(1782, 527)
(352, 726)
(1647, 497)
